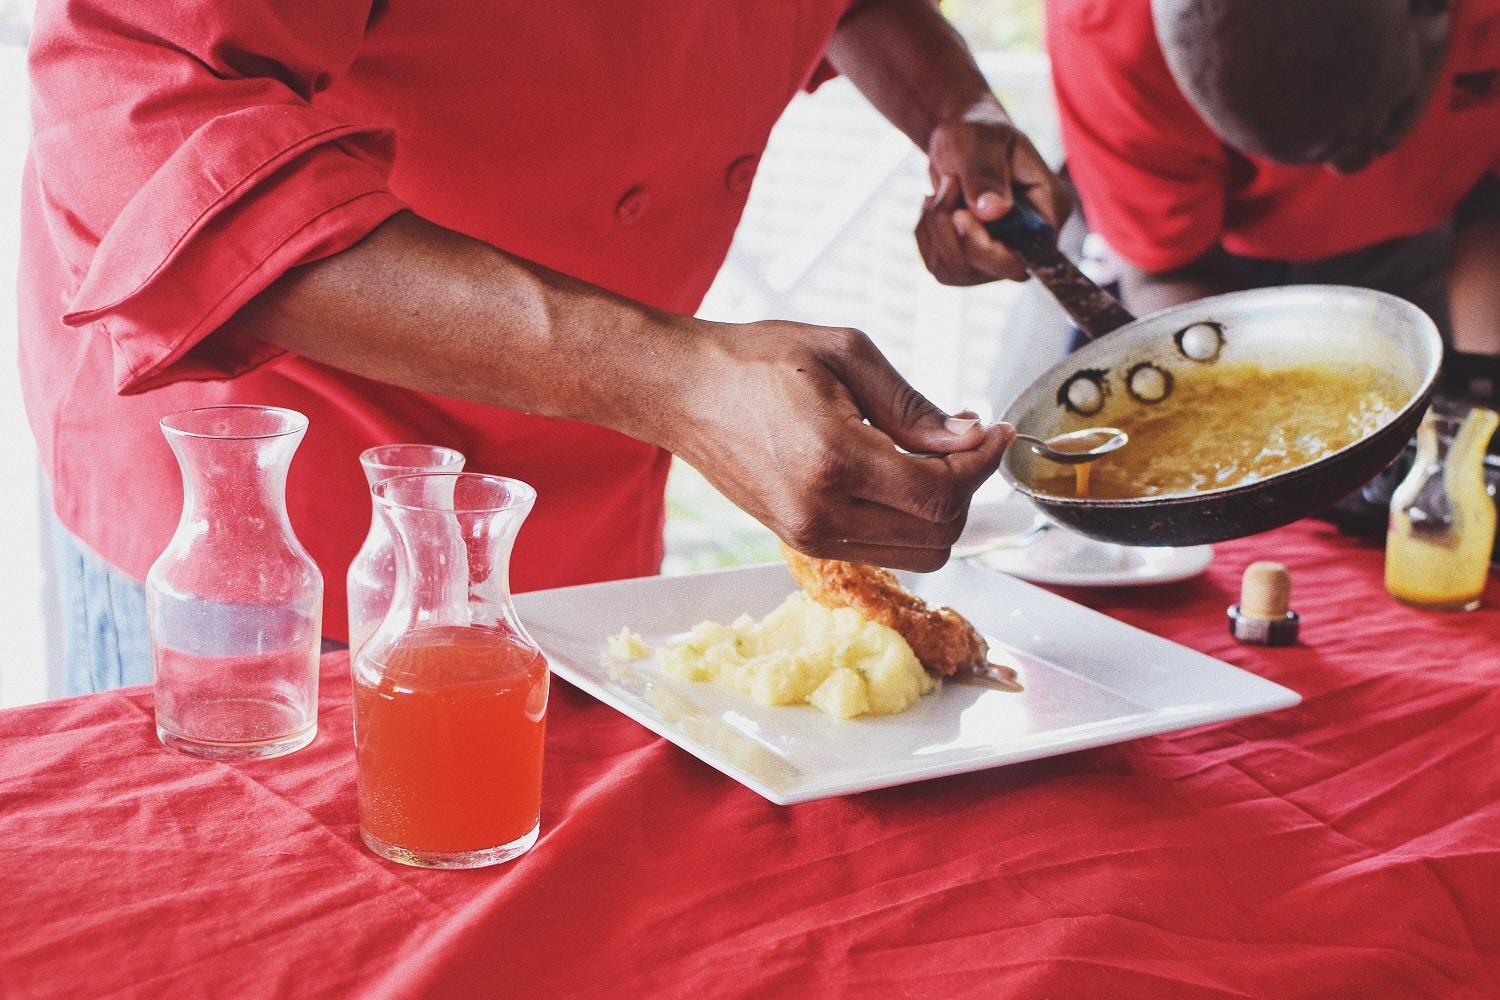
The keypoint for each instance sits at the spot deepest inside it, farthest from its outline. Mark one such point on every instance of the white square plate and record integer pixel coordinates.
(1089, 680)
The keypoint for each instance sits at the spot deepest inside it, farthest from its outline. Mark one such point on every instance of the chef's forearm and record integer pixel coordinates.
(913, 66)
(1146, 292)
(425, 308)
(1474, 272)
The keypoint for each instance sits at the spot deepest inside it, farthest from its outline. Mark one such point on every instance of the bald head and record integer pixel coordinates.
(1306, 81)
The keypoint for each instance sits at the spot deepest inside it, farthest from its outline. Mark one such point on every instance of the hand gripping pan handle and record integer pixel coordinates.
(1032, 237)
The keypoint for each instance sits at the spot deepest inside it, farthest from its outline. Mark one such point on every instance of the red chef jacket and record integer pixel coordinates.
(185, 155)
(1162, 188)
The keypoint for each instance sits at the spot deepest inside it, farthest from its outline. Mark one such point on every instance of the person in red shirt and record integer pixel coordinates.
(487, 229)
(1223, 144)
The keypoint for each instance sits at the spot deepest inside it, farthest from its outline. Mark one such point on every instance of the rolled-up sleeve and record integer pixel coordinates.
(185, 164)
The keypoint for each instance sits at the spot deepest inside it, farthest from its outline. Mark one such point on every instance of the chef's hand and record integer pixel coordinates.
(800, 426)
(975, 167)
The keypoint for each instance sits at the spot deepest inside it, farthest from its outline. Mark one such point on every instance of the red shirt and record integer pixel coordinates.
(186, 155)
(1163, 189)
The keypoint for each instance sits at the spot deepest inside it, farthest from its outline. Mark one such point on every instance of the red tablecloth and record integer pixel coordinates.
(1348, 847)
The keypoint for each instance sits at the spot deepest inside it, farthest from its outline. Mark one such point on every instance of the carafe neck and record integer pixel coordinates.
(235, 483)
(453, 536)
(234, 462)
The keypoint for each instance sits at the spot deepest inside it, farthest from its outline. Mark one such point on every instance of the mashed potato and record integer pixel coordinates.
(834, 659)
(627, 646)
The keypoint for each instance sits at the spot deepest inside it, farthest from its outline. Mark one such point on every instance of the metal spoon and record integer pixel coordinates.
(1076, 447)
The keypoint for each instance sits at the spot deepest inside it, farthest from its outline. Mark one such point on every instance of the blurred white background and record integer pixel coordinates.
(23, 658)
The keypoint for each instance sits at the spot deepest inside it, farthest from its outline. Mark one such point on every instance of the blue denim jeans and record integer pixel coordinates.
(106, 641)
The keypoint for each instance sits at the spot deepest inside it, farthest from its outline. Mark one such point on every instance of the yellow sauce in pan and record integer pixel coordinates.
(1230, 425)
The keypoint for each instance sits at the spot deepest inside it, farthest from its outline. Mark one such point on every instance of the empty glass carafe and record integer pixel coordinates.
(372, 574)
(235, 603)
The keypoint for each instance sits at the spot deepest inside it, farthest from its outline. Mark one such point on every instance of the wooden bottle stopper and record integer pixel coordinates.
(1264, 615)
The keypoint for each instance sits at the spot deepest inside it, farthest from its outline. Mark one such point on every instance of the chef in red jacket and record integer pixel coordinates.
(1223, 144)
(486, 228)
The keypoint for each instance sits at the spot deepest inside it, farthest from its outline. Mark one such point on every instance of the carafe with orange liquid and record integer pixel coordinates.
(450, 693)
(1442, 521)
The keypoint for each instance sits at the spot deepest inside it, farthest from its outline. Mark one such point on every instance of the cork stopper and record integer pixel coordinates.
(1264, 615)
(1266, 591)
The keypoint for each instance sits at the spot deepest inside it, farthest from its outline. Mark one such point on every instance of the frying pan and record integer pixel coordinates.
(1132, 363)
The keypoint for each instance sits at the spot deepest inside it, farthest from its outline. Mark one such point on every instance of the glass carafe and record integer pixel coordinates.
(372, 574)
(450, 693)
(1442, 521)
(235, 603)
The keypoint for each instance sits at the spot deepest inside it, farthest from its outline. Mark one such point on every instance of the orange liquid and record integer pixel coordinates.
(1081, 480)
(448, 738)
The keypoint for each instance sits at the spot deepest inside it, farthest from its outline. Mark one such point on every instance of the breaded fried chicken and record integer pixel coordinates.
(942, 639)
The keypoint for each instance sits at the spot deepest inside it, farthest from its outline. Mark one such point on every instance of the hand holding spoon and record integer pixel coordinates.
(1072, 448)
(1076, 448)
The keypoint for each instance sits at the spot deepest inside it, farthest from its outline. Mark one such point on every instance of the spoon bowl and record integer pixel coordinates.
(1077, 447)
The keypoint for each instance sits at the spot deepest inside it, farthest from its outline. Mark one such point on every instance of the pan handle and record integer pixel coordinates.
(1023, 227)
(1024, 230)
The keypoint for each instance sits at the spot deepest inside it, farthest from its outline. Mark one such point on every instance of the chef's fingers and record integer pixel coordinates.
(864, 464)
(986, 183)
(897, 510)
(888, 446)
(861, 531)
(1048, 193)
(893, 406)
(935, 487)
(938, 242)
(985, 255)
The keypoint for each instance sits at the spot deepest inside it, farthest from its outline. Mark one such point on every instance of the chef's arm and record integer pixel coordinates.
(1474, 271)
(1471, 366)
(1145, 292)
(797, 424)
(913, 66)
(917, 71)
(422, 307)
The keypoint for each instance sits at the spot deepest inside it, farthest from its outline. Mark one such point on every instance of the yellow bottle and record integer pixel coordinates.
(1442, 523)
